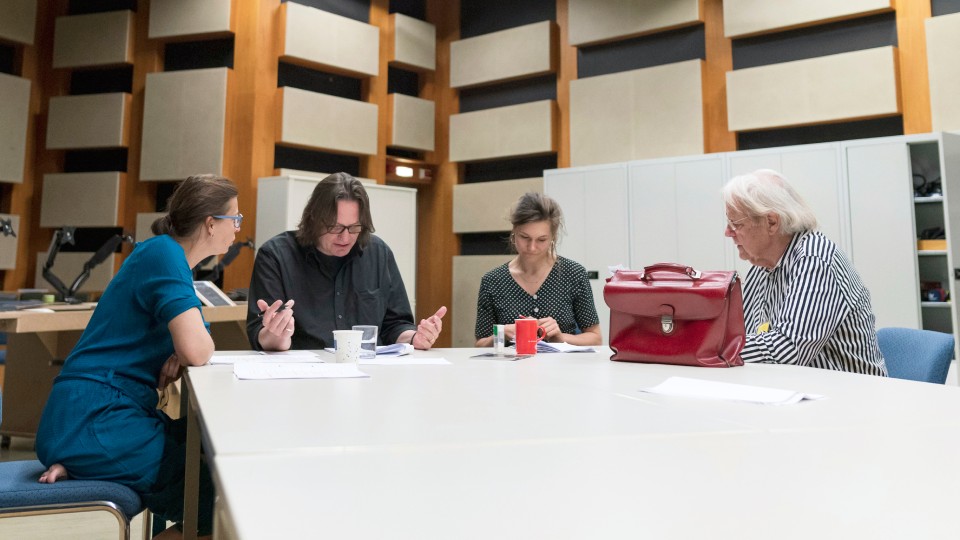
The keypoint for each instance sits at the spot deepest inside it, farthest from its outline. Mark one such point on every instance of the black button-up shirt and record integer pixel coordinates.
(363, 287)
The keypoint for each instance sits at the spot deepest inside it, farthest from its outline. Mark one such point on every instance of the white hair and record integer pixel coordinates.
(765, 191)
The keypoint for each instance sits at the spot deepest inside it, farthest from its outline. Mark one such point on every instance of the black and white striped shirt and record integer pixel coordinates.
(816, 309)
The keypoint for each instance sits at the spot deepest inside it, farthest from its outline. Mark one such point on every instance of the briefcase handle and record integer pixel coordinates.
(669, 267)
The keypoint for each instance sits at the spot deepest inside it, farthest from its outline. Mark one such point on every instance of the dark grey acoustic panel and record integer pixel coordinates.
(494, 243)
(944, 7)
(834, 38)
(646, 51)
(358, 10)
(411, 8)
(479, 17)
(508, 169)
(318, 81)
(7, 56)
(101, 81)
(842, 131)
(402, 81)
(509, 93)
(401, 153)
(110, 159)
(80, 7)
(285, 157)
(212, 53)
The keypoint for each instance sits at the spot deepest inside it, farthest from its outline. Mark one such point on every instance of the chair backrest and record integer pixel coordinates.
(916, 355)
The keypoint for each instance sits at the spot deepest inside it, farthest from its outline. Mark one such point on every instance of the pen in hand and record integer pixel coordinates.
(279, 309)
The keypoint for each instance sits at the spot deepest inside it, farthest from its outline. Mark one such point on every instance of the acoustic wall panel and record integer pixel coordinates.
(8, 244)
(847, 86)
(524, 51)
(746, 17)
(412, 121)
(517, 130)
(485, 206)
(69, 265)
(594, 21)
(96, 39)
(313, 120)
(88, 121)
(180, 18)
(14, 113)
(80, 199)
(467, 272)
(414, 43)
(18, 19)
(943, 42)
(144, 222)
(184, 119)
(318, 38)
(639, 114)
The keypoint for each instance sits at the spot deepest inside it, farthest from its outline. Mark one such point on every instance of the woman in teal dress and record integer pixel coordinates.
(101, 421)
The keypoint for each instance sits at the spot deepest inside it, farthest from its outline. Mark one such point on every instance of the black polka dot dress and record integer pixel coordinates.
(564, 295)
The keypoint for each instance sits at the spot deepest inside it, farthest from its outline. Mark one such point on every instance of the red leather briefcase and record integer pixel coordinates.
(672, 314)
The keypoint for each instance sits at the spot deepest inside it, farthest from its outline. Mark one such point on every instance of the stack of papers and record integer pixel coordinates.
(282, 370)
(698, 388)
(397, 349)
(543, 346)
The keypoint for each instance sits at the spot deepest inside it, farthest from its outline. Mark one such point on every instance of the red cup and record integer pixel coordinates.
(527, 335)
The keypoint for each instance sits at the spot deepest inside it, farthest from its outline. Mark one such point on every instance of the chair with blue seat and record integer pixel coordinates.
(916, 355)
(22, 495)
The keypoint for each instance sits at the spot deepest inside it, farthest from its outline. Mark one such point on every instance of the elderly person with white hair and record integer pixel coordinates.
(804, 303)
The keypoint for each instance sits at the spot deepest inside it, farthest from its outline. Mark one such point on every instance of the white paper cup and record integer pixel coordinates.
(348, 345)
(368, 344)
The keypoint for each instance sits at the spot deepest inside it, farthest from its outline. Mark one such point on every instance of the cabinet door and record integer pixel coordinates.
(653, 214)
(394, 211)
(594, 204)
(882, 230)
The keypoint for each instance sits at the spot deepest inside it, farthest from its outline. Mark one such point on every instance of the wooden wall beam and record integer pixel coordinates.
(37, 65)
(375, 91)
(251, 117)
(912, 51)
(719, 60)
(566, 72)
(436, 242)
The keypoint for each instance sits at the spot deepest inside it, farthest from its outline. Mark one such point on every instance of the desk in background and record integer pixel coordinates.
(565, 446)
(38, 343)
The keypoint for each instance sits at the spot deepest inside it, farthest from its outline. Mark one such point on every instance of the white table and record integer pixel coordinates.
(565, 446)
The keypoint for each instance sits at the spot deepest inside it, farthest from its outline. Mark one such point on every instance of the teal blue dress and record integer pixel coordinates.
(101, 421)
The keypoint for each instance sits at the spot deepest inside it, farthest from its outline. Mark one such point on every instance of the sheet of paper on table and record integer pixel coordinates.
(698, 388)
(296, 370)
(232, 357)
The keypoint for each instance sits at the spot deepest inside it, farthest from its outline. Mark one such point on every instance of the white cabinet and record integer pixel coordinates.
(677, 214)
(595, 211)
(280, 202)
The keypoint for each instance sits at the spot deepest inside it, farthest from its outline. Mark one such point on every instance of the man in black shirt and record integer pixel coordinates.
(338, 274)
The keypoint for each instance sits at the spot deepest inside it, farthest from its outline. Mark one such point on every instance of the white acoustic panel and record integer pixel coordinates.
(323, 39)
(96, 39)
(943, 43)
(485, 206)
(184, 118)
(467, 272)
(414, 43)
(80, 199)
(593, 21)
(638, 114)
(524, 51)
(179, 18)
(18, 20)
(88, 121)
(69, 265)
(412, 121)
(8, 244)
(516, 130)
(745, 17)
(847, 86)
(14, 113)
(144, 222)
(313, 120)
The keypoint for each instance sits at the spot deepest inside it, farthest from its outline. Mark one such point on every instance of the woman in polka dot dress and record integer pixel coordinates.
(538, 283)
